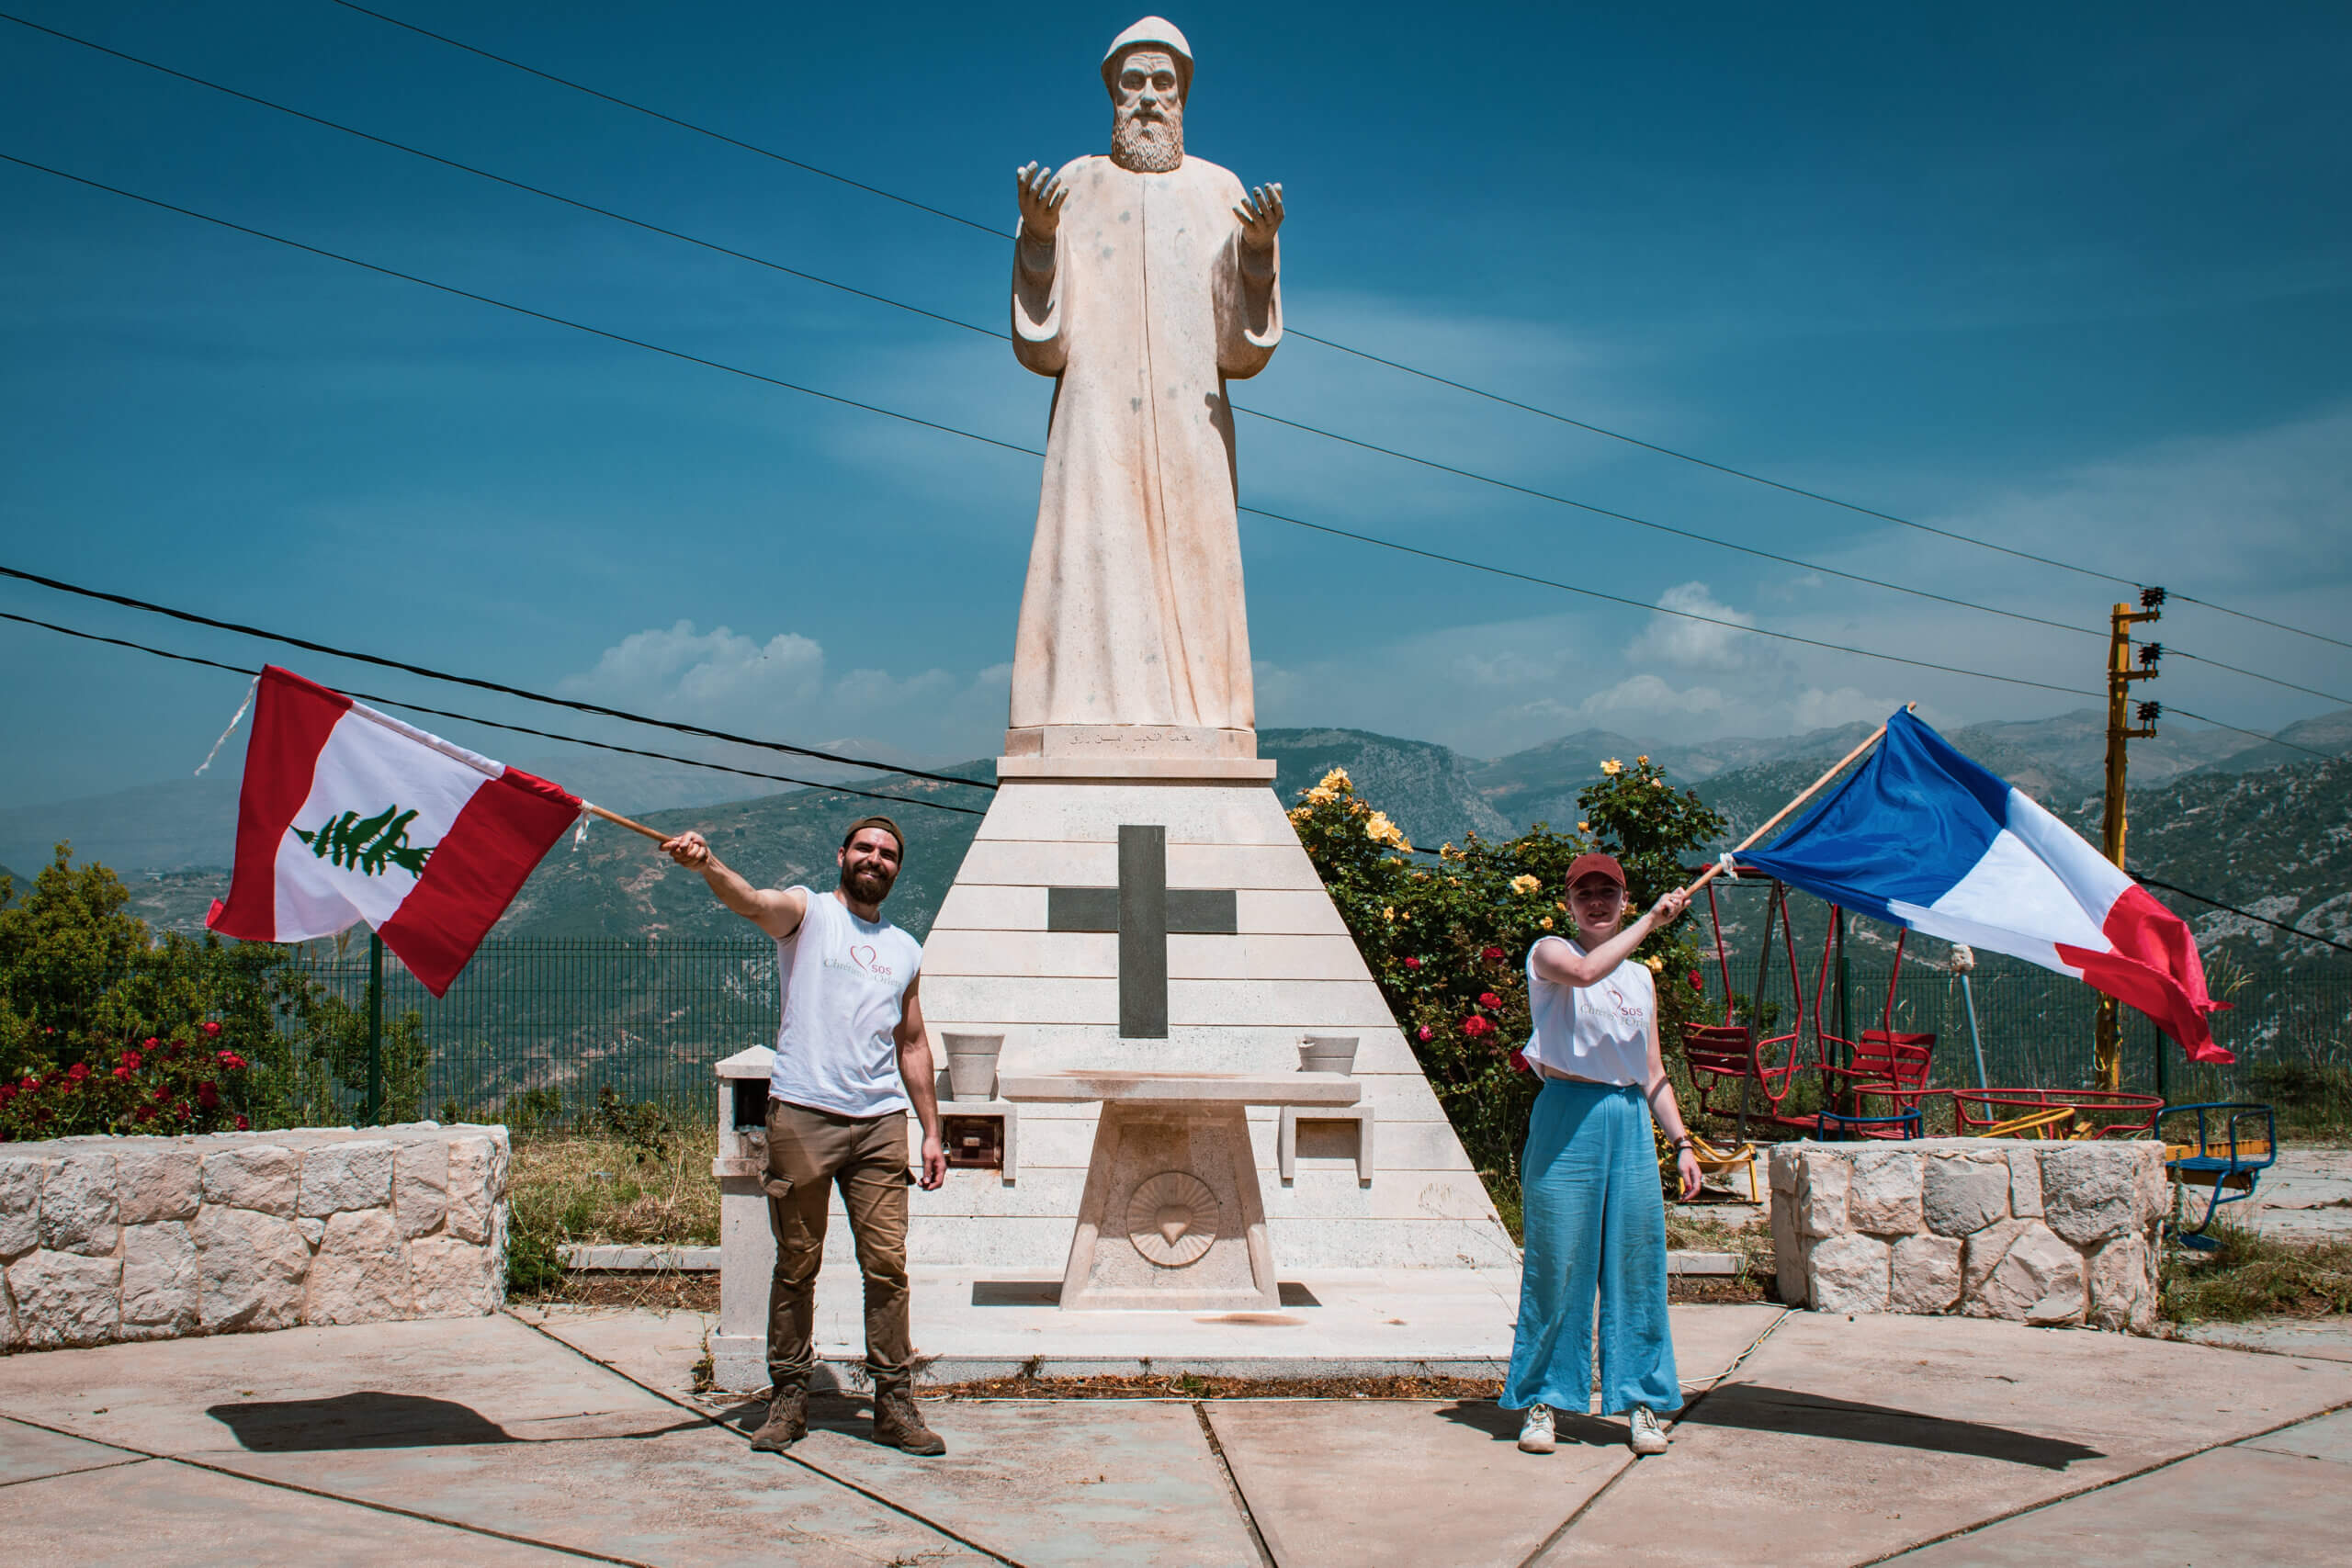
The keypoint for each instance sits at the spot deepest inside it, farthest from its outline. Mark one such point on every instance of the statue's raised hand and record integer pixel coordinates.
(1041, 200)
(1261, 213)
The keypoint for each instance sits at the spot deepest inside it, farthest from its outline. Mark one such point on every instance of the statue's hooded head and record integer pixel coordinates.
(1148, 70)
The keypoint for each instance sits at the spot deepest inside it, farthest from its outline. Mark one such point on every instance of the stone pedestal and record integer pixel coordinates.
(2056, 1233)
(1173, 1216)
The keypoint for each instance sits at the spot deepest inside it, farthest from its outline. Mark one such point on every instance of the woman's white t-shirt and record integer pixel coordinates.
(844, 982)
(1599, 1031)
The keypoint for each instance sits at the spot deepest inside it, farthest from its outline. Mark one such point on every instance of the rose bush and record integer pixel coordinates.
(1446, 938)
(108, 1027)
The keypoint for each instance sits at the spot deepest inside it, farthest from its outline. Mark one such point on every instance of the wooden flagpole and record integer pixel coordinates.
(658, 836)
(1810, 791)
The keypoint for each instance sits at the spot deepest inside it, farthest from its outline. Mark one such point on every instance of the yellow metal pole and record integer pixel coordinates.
(2106, 1053)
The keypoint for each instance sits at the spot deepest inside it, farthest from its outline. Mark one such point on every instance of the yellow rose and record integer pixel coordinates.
(1523, 885)
(1656, 964)
(1546, 922)
(1584, 826)
(1335, 780)
(1387, 912)
(1612, 767)
(1642, 760)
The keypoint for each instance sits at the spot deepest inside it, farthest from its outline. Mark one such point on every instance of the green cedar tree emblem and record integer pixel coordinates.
(368, 844)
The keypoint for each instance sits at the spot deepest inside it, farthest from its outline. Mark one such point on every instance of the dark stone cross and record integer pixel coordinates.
(1145, 912)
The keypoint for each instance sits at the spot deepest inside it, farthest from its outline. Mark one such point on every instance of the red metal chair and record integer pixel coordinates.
(1884, 1074)
(1729, 1066)
(2099, 1112)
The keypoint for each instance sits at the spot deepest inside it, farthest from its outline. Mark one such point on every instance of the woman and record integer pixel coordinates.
(1589, 1181)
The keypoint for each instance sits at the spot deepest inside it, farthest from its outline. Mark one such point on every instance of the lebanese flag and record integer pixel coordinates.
(350, 815)
(1922, 836)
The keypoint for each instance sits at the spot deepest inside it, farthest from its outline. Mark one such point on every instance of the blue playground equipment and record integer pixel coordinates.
(2229, 1164)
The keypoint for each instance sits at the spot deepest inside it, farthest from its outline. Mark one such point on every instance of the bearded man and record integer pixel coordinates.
(1142, 282)
(851, 1057)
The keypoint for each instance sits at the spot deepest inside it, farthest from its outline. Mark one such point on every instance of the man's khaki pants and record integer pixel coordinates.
(808, 1151)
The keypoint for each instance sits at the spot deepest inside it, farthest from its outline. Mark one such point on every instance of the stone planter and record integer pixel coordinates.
(2039, 1233)
(1328, 1053)
(107, 1238)
(971, 1065)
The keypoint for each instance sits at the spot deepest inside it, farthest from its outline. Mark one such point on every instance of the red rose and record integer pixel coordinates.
(78, 1071)
(207, 1095)
(1489, 999)
(1696, 983)
(130, 1060)
(243, 1125)
(1426, 1032)
(1492, 954)
(122, 1074)
(163, 1091)
(1412, 964)
(1519, 1062)
(148, 1043)
(230, 1059)
(1477, 1027)
(144, 1113)
(210, 1028)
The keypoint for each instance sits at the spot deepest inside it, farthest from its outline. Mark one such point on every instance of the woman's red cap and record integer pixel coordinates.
(1595, 865)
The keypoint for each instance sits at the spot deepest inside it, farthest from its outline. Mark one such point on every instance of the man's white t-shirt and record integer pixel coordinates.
(844, 982)
(1599, 1031)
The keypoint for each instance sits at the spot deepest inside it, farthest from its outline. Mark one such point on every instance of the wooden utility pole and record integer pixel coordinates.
(2122, 671)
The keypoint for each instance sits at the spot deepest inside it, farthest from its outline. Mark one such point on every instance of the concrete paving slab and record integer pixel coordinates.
(2232, 1506)
(490, 1377)
(690, 1496)
(159, 1514)
(1047, 1482)
(2329, 1438)
(2323, 1338)
(1361, 1486)
(658, 1348)
(1843, 1439)
(28, 1453)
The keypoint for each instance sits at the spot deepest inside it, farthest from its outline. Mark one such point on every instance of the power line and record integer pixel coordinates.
(987, 331)
(969, 435)
(265, 635)
(495, 724)
(2256, 674)
(2246, 914)
(673, 120)
(1677, 455)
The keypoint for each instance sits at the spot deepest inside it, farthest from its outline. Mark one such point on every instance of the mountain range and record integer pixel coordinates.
(2260, 824)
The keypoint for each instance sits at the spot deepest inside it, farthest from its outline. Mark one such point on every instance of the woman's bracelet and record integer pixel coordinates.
(1683, 1142)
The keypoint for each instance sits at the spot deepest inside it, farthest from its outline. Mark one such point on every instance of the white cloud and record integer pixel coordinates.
(1695, 645)
(781, 689)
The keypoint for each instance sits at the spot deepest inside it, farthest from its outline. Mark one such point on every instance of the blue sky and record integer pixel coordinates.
(2076, 280)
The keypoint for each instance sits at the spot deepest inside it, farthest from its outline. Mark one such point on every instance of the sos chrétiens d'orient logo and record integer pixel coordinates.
(368, 844)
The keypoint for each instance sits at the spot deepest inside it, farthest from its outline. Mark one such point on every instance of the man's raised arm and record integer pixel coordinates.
(776, 911)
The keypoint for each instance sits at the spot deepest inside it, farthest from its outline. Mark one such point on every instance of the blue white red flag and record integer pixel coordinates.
(1920, 836)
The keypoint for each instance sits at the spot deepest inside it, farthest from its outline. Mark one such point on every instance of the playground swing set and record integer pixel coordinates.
(1874, 1085)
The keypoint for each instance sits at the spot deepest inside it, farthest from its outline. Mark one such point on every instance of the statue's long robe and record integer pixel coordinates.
(1143, 305)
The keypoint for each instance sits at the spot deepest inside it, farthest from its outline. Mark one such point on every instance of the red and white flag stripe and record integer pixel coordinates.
(348, 815)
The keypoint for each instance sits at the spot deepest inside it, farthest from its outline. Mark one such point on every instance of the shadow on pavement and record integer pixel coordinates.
(367, 1419)
(1485, 1415)
(1755, 1407)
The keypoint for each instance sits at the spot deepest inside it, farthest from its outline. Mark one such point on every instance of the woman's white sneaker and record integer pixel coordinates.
(1536, 1433)
(1642, 1434)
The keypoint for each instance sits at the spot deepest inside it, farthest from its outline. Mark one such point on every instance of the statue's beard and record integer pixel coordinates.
(1148, 146)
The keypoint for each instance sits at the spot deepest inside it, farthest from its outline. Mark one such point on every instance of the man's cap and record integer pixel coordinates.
(1596, 864)
(884, 823)
(1152, 31)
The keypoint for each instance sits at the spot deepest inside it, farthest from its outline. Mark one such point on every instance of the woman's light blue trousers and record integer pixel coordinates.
(1595, 1228)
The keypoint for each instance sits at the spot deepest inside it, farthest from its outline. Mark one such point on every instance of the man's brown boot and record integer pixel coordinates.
(898, 1422)
(787, 1420)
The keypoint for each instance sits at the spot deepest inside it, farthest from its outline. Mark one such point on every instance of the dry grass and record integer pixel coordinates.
(569, 1186)
(2257, 1276)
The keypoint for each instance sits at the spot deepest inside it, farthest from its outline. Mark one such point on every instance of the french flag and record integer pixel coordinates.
(348, 815)
(1919, 836)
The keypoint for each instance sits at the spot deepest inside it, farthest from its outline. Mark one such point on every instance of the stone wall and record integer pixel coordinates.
(153, 1238)
(2041, 1233)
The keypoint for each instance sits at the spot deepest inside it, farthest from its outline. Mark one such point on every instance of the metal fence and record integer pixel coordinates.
(649, 1018)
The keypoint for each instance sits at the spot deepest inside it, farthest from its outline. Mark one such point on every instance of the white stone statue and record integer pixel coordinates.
(1142, 282)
